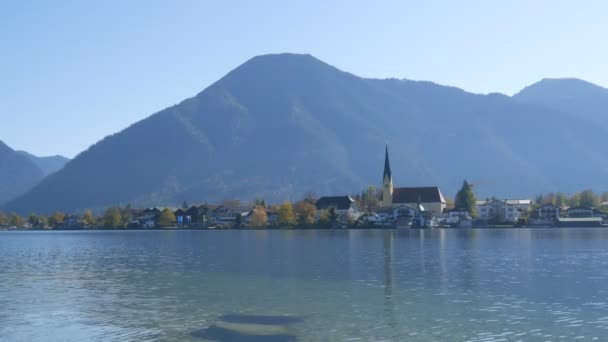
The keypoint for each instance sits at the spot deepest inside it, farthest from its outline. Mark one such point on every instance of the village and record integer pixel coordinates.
(388, 207)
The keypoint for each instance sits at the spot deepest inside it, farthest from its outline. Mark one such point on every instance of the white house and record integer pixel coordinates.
(508, 210)
(344, 206)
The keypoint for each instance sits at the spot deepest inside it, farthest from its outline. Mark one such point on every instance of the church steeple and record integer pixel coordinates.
(387, 167)
(387, 182)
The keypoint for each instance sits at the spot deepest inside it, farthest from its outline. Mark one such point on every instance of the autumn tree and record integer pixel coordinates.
(305, 213)
(56, 219)
(370, 198)
(112, 218)
(3, 219)
(167, 218)
(258, 217)
(287, 216)
(465, 199)
(16, 221)
(88, 218)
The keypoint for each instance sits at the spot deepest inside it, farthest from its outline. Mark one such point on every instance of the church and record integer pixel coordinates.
(429, 198)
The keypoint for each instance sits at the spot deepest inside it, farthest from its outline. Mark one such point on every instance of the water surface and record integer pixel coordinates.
(317, 285)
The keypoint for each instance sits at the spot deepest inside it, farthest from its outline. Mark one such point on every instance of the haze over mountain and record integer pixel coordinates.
(49, 164)
(17, 173)
(281, 125)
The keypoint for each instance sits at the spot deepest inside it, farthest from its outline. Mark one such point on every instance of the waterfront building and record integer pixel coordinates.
(508, 210)
(345, 207)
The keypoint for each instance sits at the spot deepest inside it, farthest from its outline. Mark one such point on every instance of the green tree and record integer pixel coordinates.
(88, 218)
(604, 197)
(305, 213)
(36, 221)
(333, 216)
(16, 221)
(287, 216)
(112, 218)
(574, 200)
(589, 199)
(465, 199)
(167, 218)
(560, 199)
(259, 218)
(238, 220)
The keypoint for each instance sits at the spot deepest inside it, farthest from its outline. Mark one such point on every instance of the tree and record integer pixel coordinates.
(305, 213)
(574, 200)
(560, 199)
(88, 218)
(333, 216)
(259, 217)
(238, 220)
(167, 218)
(310, 197)
(56, 219)
(604, 197)
(370, 198)
(112, 218)
(185, 205)
(126, 215)
(323, 219)
(3, 219)
(589, 199)
(36, 220)
(203, 213)
(287, 216)
(465, 200)
(16, 221)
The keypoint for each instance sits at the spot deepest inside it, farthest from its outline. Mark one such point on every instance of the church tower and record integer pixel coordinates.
(387, 182)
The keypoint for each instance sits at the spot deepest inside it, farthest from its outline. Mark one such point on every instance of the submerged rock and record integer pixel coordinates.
(242, 334)
(258, 319)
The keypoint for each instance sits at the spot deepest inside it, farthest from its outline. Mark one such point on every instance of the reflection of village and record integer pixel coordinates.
(400, 207)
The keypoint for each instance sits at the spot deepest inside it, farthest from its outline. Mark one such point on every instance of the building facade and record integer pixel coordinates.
(429, 198)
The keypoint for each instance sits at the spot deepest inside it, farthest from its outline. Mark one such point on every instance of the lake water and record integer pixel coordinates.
(317, 285)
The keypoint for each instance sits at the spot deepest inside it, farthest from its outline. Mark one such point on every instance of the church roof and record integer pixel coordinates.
(387, 166)
(430, 194)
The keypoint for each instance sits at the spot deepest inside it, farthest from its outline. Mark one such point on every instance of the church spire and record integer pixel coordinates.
(387, 166)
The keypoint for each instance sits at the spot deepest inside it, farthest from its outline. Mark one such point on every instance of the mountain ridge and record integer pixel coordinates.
(281, 125)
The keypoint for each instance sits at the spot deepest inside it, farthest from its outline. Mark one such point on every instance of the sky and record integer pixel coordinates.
(75, 71)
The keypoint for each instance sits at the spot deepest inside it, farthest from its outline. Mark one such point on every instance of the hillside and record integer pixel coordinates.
(281, 125)
(17, 173)
(573, 96)
(47, 165)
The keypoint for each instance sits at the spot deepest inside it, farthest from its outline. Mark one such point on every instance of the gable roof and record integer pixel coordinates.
(429, 194)
(337, 202)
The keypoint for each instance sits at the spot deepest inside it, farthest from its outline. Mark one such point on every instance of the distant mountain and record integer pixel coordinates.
(17, 173)
(570, 95)
(48, 165)
(280, 125)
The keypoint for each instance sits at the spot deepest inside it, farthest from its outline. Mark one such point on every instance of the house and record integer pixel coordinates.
(181, 217)
(549, 212)
(580, 212)
(430, 197)
(455, 216)
(345, 207)
(509, 210)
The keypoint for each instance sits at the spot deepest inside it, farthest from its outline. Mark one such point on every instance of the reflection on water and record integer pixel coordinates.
(414, 285)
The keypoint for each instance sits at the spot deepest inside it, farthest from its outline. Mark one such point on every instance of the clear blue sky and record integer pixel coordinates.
(73, 72)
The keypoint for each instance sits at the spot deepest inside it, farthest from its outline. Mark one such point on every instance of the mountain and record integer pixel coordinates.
(570, 95)
(17, 173)
(281, 125)
(48, 165)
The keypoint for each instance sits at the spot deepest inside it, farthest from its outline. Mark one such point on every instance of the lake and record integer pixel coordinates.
(305, 285)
